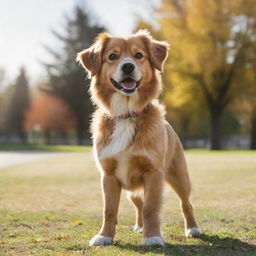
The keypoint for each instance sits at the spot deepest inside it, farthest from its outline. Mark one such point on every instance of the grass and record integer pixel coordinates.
(227, 151)
(11, 146)
(54, 206)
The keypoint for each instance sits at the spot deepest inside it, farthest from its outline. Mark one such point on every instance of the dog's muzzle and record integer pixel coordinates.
(128, 85)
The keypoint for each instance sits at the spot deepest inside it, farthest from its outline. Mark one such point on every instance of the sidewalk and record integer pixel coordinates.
(12, 158)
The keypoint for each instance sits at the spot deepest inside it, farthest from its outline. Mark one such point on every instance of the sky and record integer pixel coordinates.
(25, 26)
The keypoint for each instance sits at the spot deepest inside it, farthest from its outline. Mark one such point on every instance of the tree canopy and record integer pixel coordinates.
(66, 79)
(211, 42)
(15, 103)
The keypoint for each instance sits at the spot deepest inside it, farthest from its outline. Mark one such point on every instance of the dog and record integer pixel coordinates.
(135, 148)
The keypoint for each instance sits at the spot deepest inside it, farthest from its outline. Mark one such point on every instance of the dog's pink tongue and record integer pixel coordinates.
(129, 84)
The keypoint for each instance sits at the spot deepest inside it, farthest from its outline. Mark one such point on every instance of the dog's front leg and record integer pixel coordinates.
(153, 186)
(111, 190)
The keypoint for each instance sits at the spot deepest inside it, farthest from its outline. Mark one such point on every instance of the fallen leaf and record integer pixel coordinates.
(62, 237)
(243, 248)
(38, 240)
(78, 222)
(235, 247)
(12, 235)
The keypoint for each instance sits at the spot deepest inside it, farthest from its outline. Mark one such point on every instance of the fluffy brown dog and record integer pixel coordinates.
(135, 148)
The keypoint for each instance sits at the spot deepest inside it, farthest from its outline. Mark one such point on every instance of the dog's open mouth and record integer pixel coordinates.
(128, 85)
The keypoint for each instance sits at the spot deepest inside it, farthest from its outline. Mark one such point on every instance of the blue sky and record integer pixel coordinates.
(25, 25)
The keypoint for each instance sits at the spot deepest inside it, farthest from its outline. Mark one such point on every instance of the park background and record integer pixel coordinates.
(50, 197)
(209, 78)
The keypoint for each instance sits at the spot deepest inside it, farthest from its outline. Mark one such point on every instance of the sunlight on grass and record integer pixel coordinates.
(54, 206)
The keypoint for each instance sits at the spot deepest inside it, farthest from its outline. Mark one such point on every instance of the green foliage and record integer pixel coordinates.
(212, 42)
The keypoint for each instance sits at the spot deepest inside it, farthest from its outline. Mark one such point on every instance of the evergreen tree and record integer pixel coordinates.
(66, 79)
(16, 102)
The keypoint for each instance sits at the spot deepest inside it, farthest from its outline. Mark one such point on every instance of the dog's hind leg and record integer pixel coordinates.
(136, 198)
(177, 176)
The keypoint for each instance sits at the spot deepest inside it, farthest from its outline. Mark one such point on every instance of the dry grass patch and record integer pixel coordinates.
(54, 206)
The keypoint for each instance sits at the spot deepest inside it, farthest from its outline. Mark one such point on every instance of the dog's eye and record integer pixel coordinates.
(113, 56)
(138, 55)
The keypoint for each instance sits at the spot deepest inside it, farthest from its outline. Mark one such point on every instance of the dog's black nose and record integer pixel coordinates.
(127, 68)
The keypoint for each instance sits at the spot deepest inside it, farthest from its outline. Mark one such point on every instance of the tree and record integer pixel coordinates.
(245, 104)
(66, 78)
(210, 44)
(16, 102)
(185, 114)
(2, 77)
(2, 84)
(49, 113)
(1, 100)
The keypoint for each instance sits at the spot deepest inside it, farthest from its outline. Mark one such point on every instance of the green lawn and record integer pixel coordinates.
(10, 146)
(54, 206)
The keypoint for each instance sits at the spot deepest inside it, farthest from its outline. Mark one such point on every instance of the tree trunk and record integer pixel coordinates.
(23, 136)
(253, 131)
(184, 131)
(47, 137)
(80, 135)
(215, 133)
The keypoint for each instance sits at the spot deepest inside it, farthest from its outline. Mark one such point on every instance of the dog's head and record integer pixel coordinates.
(124, 65)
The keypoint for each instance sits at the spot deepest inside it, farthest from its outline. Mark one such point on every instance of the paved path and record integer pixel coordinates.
(11, 158)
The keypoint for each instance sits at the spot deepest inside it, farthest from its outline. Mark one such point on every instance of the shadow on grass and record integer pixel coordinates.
(211, 245)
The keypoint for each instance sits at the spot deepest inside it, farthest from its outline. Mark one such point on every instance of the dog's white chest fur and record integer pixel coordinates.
(123, 134)
(124, 129)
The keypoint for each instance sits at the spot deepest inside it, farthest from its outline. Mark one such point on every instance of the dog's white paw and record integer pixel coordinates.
(100, 240)
(154, 241)
(193, 232)
(138, 229)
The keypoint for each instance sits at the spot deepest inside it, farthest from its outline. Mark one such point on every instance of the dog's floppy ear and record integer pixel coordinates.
(90, 58)
(158, 50)
(158, 53)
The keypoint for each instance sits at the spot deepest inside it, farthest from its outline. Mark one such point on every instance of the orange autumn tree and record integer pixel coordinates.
(49, 113)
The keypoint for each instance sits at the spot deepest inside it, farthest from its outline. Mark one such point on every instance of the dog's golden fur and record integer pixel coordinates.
(135, 153)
